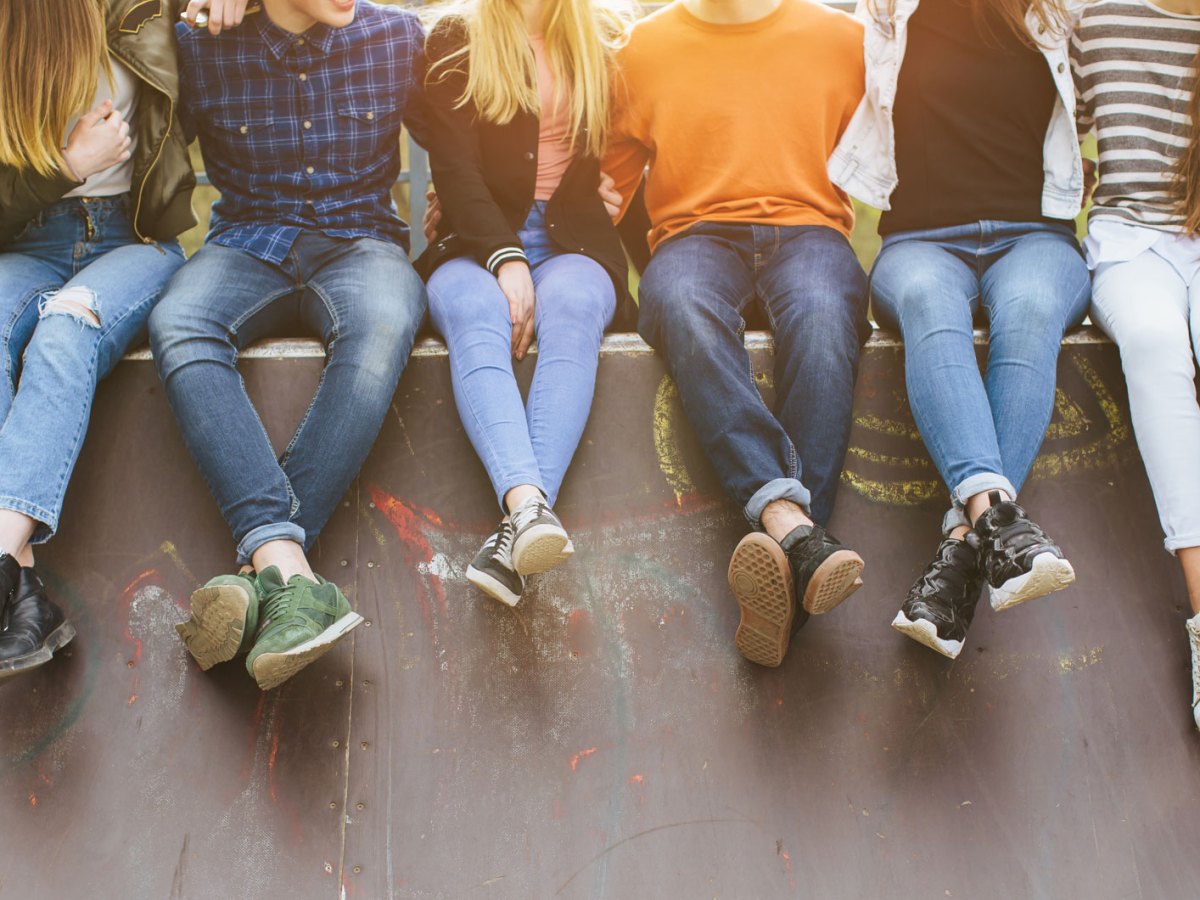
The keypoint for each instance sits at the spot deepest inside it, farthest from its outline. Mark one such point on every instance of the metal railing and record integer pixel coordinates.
(417, 176)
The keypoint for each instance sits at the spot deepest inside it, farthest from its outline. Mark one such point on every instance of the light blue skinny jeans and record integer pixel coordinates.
(83, 250)
(533, 442)
(1031, 281)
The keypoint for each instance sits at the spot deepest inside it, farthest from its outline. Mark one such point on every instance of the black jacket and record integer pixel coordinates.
(485, 176)
(141, 34)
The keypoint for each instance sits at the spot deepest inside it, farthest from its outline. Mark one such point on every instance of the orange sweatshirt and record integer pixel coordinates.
(737, 122)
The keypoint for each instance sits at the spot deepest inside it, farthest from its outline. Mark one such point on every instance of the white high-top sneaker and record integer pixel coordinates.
(1193, 627)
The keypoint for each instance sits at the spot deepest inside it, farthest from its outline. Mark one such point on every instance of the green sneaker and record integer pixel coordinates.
(224, 619)
(299, 621)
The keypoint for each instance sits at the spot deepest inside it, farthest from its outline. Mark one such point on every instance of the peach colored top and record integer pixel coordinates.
(554, 137)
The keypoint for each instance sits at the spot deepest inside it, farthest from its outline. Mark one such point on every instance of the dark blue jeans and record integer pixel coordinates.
(814, 294)
(360, 297)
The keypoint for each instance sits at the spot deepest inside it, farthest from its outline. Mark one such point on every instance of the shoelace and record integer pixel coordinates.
(527, 512)
(275, 606)
(499, 545)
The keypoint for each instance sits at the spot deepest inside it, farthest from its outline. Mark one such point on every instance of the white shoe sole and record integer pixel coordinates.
(493, 587)
(214, 633)
(540, 549)
(273, 669)
(55, 641)
(1048, 574)
(924, 632)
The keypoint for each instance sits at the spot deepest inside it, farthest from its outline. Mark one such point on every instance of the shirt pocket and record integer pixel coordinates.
(368, 125)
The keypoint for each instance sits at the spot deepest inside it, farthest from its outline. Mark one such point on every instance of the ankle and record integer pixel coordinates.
(781, 517)
(520, 495)
(286, 556)
(980, 503)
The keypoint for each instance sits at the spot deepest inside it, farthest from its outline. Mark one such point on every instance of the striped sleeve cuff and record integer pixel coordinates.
(503, 255)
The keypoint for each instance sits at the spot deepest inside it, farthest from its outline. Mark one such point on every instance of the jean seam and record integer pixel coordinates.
(8, 330)
(329, 352)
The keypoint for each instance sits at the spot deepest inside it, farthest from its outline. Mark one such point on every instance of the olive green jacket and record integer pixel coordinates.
(141, 34)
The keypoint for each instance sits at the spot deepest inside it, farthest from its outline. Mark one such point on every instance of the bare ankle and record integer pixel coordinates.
(781, 517)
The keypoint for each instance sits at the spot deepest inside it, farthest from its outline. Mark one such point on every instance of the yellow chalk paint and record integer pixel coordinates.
(670, 461)
(172, 554)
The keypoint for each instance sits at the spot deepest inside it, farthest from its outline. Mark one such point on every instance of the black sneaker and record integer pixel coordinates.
(825, 573)
(492, 570)
(34, 627)
(940, 606)
(539, 541)
(1018, 559)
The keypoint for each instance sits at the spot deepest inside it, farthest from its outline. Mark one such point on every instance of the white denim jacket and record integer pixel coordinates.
(864, 163)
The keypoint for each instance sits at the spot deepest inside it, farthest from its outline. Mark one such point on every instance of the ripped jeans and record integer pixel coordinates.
(76, 289)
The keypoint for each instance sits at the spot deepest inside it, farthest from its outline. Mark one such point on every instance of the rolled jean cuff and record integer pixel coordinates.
(978, 484)
(954, 518)
(283, 531)
(517, 481)
(777, 489)
(47, 521)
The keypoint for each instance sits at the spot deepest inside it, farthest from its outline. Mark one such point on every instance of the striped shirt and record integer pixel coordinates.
(1133, 65)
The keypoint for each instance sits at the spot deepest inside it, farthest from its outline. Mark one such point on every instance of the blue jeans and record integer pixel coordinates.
(360, 297)
(1031, 281)
(530, 443)
(813, 291)
(83, 251)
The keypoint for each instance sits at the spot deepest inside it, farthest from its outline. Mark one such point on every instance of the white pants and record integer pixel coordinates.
(1153, 314)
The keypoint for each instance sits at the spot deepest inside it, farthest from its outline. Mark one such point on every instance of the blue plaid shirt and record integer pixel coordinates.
(301, 132)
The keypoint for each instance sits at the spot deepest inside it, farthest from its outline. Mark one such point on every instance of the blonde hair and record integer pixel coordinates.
(56, 51)
(581, 39)
(1051, 15)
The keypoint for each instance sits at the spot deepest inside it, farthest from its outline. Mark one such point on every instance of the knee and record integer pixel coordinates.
(1155, 345)
(77, 302)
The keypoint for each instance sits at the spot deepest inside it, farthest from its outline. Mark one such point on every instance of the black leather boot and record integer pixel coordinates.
(33, 626)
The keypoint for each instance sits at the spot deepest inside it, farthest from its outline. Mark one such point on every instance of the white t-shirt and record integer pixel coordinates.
(123, 92)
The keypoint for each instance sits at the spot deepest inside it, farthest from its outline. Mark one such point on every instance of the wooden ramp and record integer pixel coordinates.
(604, 740)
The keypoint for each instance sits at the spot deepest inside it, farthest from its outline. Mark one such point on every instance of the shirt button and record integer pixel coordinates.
(370, 116)
(307, 124)
(299, 42)
(310, 170)
(529, 156)
(303, 76)
(1062, 67)
(243, 129)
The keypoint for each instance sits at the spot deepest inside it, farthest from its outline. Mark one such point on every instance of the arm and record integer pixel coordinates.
(626, 157)
(416, 111)
(456, 161)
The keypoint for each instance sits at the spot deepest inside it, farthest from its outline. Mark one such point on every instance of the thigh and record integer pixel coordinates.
(573, 290)
(700, 276)
(366, 288)
(464, 295)
(121, 287)
(1144, 306)
(815, 279)
(916, 284)
(1040, 286)
(23, 280)
(217, 294)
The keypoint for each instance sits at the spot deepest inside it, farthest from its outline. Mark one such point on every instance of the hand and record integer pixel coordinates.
(99, 140)
(608, 193)
(221, 13)
(1090, 179)
(433, 215)
(517, 285)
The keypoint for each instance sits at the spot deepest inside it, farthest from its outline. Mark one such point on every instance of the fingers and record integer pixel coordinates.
(101, 111)
(193, 9)
(526, 337)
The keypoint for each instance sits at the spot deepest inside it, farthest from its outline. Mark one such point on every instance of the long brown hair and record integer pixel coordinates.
(54, 51)
(1051, 15)
(1187, 170)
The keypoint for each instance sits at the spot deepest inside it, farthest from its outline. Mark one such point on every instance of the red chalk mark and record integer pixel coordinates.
(779, 701)
(637, 779)
(33, 800)
(582, 754)
(271, 766)
(149, 573)
(412, 524)
(787, 863)
(132, 699)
